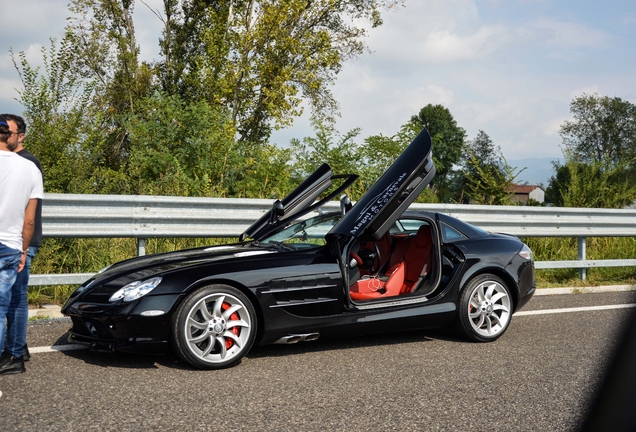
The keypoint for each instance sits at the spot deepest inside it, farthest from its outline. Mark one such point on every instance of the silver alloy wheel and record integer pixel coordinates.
(217, 328)
(489, 308)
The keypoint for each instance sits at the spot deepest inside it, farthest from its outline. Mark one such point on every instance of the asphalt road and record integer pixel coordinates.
(540, 375)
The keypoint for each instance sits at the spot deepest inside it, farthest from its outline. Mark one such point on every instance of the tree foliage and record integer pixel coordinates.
(594, 184)
(487, 176)
(379, 151)
(57, 109)
(180, 148)
(260, 59)
(105, 54)
(341, 152)
(600, 155)
(557, 183)
(603, 129)
(196, 121)
(448, 138)
(478, 156)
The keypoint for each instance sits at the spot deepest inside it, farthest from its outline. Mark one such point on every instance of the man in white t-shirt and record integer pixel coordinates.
(20, 188)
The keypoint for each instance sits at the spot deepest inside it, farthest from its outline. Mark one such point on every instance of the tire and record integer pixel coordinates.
(214, 327)
(485, 309)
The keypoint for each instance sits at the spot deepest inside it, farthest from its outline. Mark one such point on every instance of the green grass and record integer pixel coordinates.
(90, 255)
(561, 249)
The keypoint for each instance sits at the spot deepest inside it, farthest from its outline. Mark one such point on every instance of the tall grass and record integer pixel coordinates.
(597, 248)
(90, 255)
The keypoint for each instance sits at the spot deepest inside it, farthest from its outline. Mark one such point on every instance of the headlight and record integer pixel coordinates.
(526, 253)
(135, 290)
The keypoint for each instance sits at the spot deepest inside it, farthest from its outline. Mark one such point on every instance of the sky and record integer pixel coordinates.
(507, 67)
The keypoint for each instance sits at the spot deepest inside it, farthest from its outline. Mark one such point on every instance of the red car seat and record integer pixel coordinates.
(410, 261)
(418, 259)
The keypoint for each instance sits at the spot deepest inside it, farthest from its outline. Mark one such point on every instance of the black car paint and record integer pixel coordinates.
(303, 290)
(281, 290)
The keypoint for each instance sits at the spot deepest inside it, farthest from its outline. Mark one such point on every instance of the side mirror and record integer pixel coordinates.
(345, 204)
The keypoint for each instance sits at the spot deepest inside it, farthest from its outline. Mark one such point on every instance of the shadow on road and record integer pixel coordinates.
(140, 361)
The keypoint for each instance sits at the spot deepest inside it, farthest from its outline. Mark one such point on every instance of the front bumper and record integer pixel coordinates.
(92, 333)
(125, 327)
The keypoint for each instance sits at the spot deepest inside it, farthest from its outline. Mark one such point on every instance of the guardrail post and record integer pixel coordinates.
(582, 245)
(141, 246)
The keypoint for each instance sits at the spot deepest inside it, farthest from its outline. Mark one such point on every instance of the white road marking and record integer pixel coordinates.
(576, 309)
(59, 348)
(56, 348)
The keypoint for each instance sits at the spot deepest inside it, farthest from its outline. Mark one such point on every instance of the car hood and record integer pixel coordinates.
(149, 265)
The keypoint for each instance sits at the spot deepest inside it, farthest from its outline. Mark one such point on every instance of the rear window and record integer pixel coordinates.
(407, 226)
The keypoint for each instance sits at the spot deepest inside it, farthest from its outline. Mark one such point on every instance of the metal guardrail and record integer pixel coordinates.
(143, 217)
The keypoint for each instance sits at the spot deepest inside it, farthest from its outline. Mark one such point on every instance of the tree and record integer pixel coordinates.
(345, 156)
(340, 151)
(265, 172)
(558, 183)
(489, 183)
(380, 151)
(180, 148)
(106, 54)
(261, 58)
(603, 129)
(599, 146)
(57, 110)
(448, 140)
(594, 184)
(481, 150)
(242, 66)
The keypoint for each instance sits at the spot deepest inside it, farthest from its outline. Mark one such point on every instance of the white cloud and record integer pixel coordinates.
(585, 90)
(433, 94)
(447, 47)
(8, 89)
(562, 34)
(437, 32)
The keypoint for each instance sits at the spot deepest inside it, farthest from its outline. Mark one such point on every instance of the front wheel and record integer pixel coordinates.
(214, 327)
(485, 308)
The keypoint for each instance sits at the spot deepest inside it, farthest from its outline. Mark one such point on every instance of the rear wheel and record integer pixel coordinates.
(214, 327)
(485, 308)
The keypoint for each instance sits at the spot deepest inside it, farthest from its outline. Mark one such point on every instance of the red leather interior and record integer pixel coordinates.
(417, 256)
(407, 263)
(370, 288)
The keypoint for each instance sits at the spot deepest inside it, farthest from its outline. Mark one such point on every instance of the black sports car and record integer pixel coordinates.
(372, 267)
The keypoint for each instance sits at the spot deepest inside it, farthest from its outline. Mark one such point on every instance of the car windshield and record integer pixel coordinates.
(303, 234)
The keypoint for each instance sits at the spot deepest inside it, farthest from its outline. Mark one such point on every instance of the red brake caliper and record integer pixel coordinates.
(235, 330)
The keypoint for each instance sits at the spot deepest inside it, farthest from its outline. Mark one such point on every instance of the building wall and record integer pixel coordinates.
(538, 195)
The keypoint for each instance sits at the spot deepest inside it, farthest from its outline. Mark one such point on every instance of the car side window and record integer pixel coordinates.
(450, 234)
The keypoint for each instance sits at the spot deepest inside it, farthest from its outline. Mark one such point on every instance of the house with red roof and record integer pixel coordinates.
(522, 193)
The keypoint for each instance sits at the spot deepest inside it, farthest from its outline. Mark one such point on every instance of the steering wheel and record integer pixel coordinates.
(377, 258)
(368, 257)
(356, 258)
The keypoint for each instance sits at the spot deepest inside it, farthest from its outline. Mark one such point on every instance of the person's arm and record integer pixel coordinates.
(27, 230)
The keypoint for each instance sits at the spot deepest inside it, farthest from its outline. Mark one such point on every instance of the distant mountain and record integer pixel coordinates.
(538, 171)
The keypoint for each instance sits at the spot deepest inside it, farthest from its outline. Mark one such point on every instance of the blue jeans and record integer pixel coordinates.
(9, 260)
(18, 313)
